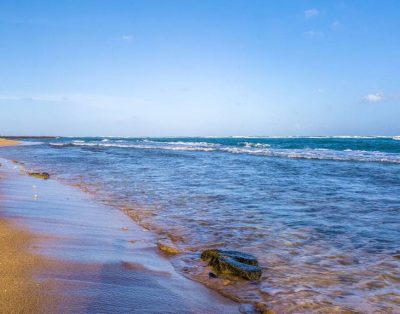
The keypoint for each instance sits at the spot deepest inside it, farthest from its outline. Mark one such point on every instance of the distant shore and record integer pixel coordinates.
(6, 142)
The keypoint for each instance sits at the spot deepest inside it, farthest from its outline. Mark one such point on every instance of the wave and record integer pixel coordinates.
(257, 145)
(311, 137)
(256, 149)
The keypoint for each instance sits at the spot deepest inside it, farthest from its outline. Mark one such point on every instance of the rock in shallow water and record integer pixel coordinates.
(39, 175)
(168, 247)
(233, 262)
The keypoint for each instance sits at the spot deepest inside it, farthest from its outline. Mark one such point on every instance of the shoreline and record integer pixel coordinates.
(98, 247)
(295, 249)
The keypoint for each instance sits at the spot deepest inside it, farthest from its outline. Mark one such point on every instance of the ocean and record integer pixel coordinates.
(321, 214)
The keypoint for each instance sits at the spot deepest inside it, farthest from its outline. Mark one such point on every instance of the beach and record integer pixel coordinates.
(200, 157)
(89, 258)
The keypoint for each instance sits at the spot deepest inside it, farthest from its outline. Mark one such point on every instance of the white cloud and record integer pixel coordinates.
(336, 25)
(377, 97)
(312, 34)
(319, 91)
(127, 37)
(308, 14)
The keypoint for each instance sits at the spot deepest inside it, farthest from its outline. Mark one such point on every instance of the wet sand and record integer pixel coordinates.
(19, 292)
(97, 259)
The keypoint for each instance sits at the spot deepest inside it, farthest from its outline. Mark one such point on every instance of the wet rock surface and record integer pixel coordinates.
(167, 247)
(39, 175)
(233, 262)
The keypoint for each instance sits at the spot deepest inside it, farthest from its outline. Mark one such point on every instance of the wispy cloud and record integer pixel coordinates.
(374, 98)
(126, 37)
(21, 21)
(313, 34)
(91, 99)
(336, 25)
(44, 97)
(310, 13)
(319, 91)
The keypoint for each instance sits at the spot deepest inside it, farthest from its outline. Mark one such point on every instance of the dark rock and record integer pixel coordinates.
(212, 275)
(233, 262)
(39, 175)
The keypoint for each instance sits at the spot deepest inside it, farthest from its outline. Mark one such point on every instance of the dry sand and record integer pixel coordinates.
(5, 142)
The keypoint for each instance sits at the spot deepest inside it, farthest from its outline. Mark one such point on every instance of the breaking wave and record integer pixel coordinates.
(251, 148)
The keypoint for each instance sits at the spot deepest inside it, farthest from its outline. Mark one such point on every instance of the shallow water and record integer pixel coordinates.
(321, 214)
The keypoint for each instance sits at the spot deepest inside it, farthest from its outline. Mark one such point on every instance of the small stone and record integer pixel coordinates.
(263, 308)
(39, 175)
(212, 275)
(168, 247)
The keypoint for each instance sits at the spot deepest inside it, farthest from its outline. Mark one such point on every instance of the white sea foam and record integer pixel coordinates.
(257, 149)
(257, 145)
(31, 143)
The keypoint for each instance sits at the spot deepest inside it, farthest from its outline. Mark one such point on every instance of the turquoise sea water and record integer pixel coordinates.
(321, 214)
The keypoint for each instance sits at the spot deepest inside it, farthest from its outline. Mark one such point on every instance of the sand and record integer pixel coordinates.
(19, 292)
(97, 260)
(5, 142)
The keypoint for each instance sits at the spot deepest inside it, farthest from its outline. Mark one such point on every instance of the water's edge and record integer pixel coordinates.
(147, 236)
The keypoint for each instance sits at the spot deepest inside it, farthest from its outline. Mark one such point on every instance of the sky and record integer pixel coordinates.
(199, 67)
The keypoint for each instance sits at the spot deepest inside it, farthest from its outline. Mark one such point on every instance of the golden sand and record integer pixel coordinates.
(19, 292)
(5, 142)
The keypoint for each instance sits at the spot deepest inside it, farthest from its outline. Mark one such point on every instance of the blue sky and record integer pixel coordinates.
(199, 67)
